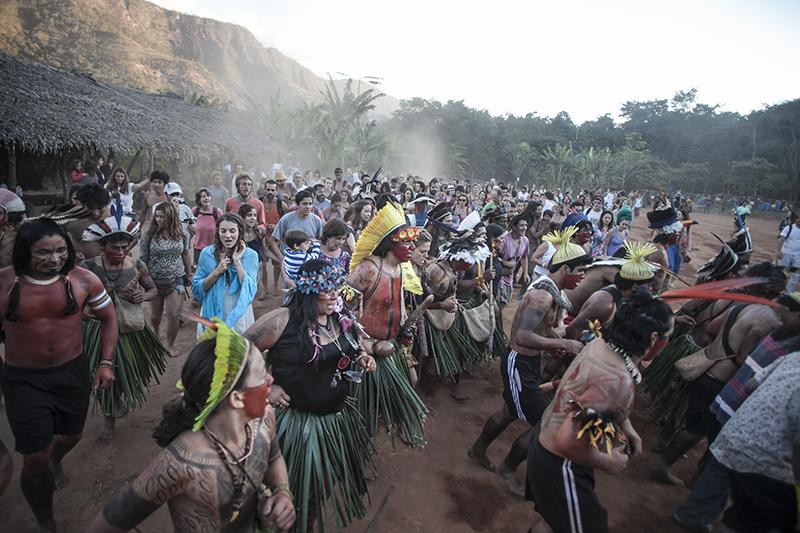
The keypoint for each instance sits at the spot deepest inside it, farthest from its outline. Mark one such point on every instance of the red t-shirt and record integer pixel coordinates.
(233, 205)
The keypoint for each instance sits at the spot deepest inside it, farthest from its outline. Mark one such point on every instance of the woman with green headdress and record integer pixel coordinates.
(314, 349)
(221, 468)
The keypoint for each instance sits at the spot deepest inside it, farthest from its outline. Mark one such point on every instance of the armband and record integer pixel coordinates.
(100, 301)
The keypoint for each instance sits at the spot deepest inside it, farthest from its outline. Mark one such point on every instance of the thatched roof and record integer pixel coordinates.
(48, 110)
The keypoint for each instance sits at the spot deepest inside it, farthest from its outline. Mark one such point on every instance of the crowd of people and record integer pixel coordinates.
(389, 287)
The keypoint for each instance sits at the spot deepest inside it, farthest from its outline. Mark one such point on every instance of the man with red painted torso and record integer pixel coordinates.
(46, 379)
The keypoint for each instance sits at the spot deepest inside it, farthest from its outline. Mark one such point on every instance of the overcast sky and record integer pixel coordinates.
(584, 57)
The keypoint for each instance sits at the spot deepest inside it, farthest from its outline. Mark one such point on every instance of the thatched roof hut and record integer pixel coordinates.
(48, 110)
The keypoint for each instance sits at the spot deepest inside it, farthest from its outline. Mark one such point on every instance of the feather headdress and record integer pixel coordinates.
(64, 214)
(230, 354)
(565, 250)
(389, 218)
(465, 248)
(716, 290)
(635, 267)
(116, 224)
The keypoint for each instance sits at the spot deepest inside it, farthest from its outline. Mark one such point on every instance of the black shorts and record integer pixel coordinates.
(42, 402)
(563, 492)
(699, 418)
(524, 399)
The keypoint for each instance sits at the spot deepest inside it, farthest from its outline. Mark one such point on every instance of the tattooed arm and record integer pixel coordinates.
(527, 321)
(162, 480)
(362, 279)
(266, 331)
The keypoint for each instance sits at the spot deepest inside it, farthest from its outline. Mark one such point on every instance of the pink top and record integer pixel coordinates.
(205, 227)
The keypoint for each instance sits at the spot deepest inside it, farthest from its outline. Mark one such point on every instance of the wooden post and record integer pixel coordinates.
(12, 167)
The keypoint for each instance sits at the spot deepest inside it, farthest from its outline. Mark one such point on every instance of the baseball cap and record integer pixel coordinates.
(172, 188)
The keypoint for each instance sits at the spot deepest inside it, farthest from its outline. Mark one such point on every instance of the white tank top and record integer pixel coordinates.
(548, 255)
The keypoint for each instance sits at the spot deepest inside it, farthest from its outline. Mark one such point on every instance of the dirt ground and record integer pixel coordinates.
(436, 488)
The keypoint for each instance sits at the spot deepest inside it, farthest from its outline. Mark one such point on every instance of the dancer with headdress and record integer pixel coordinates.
(221, 468)
(440, 225)
(314, 349)
(523, 368)
(375, 292)
(449, 343)
(667, 231)
(599, 309)
(140, 358)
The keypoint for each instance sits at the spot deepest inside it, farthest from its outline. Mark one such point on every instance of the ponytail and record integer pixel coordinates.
(176, 417)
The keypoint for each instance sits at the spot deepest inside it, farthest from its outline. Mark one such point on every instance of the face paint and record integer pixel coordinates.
(571, 281)
(655, 349)
(255, 399)
(402, 250)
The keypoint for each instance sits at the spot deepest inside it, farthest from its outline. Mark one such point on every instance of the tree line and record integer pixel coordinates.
(679, 143)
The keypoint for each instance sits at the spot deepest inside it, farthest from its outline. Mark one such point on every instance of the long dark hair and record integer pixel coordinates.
(636, 320)
(304, 310)
(196, 375)
(28, 234)
(219, 248)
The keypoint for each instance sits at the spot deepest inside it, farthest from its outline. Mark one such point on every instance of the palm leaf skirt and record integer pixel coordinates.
(443, 350)
(327, 457)
(499, 339)
(139, 361)
(387, 394)
(668, 391)
(472, 352)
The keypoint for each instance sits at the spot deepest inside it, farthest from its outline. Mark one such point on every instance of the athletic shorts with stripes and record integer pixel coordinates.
(563, 492)
(521, 391)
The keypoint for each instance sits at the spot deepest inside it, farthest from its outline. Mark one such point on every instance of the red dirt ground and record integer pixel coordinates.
(433, 489)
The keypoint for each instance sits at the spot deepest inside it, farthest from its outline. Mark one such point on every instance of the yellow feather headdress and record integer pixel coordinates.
(635, 267)
(388, 219)
(230, 354)
(565, 250)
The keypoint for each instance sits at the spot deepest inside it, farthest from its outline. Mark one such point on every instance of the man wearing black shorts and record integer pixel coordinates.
(531, 335)
(46, 379)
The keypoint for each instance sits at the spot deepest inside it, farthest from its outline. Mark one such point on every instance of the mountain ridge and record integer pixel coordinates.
(138, 44)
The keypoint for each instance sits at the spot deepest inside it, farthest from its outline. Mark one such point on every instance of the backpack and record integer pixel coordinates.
(216, 213)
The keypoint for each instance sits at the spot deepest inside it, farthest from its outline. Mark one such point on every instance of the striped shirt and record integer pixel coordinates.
(294, 259)
(735, 392)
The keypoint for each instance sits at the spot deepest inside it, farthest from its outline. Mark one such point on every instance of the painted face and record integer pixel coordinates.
(402, 250)
(573, 278)
(245, 187)
(228, 233)
(657, 346)
(115, 252)
(583, 236)
(326, 302)
(48, 255)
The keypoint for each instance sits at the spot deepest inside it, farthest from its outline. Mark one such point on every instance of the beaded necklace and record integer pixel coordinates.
(630, 366)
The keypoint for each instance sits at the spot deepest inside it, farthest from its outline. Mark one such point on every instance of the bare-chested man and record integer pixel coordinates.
(376, 275)
(156, 195)
(532, 335)
(46, 376)
(596, 277)
(602, 378)
(93, 197)
(734, 333)
(634, 274)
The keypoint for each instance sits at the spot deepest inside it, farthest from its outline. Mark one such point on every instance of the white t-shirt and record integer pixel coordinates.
(791, 243)
(548, 205)
(594, 216)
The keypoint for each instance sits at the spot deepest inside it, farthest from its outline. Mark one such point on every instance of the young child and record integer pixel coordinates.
(299, 249)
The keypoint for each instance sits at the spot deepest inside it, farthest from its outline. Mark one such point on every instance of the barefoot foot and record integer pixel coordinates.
(513, 484)
(108, 428)
(59, 479)
(480, 455)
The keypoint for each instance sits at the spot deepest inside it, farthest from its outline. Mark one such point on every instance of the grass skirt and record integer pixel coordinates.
(327, 456)
(499, 339)
(387, 394)
(472, 352)
(443, 349)
(669, 395)
(139, 360)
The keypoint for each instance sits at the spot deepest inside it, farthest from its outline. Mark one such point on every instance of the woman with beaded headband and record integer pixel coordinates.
(314, 350)
(140, 356)
(221, 468)
(375, 289)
